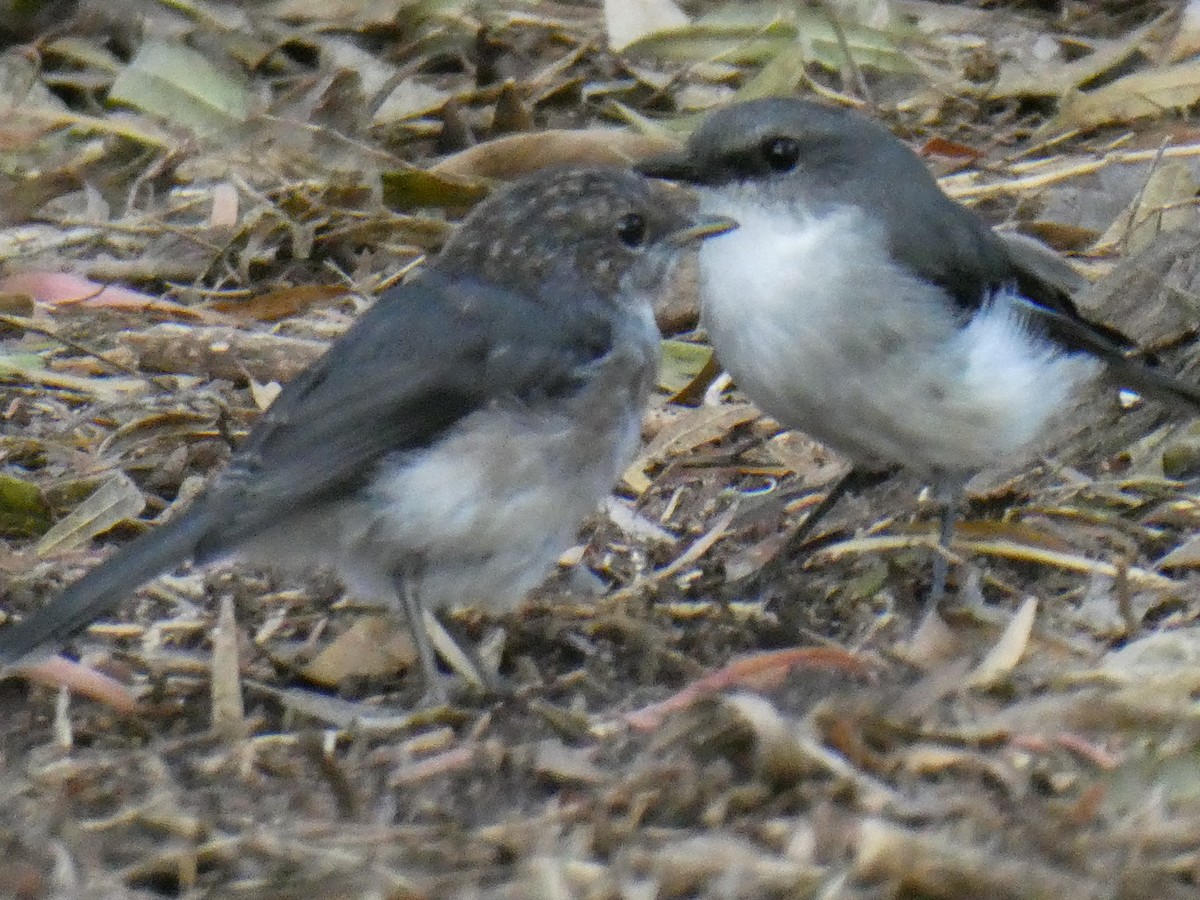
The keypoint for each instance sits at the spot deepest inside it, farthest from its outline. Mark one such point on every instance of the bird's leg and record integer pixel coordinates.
(949, 493)
(857, 479)
(406, 582)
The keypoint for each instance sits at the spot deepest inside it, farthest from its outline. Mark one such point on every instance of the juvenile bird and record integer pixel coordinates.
(446, 449)
(860, 304)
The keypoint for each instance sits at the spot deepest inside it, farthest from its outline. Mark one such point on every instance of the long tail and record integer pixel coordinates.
(1137, 376)
(106, 585)
(1131, 373)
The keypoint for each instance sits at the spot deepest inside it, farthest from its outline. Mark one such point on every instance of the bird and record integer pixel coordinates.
(445, 449)
(860, 304)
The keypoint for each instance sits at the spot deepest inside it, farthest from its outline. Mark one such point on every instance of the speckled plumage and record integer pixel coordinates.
(455, 438)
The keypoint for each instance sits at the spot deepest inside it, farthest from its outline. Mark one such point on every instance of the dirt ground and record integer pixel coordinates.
(195, 198)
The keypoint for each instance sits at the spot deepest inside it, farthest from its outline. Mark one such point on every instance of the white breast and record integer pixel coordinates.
(828, 335)
(485, 511)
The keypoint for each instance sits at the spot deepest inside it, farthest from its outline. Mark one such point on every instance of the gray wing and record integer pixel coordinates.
(426, 355)
(951, 246)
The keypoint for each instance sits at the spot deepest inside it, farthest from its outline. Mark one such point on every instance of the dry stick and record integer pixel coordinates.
(1044, 173)
(698, 548)
(29, 325)
(1002, 548)
(844, 46)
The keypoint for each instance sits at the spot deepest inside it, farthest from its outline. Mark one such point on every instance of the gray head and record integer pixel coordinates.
(797, 157)
(795, 149)
(610, 229)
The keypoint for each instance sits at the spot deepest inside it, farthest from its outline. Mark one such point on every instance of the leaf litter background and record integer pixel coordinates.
(196, 197)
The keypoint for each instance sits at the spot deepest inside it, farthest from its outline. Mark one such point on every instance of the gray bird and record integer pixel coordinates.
(860, 304)
(447, 448)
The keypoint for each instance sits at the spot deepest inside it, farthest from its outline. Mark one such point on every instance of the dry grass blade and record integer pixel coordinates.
(228, 712)
(1071, 562)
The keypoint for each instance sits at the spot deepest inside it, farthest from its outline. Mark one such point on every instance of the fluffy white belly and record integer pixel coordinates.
(825, 333)
(480, 516)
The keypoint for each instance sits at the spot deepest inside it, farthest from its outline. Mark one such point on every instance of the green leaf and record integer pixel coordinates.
(681, 363)
(413, 188)
(181, 85)
(23, 510)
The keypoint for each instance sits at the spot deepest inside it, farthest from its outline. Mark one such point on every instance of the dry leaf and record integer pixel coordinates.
(1008, 650)
(1164, 204)
(281, 302)
(1186, 42)
(1155, 658)
(116, 500)
(691, 429)
(1185, 556)
(183, 86)
(1140, 94)
(628, 20)
(373, 647)
(519, 154)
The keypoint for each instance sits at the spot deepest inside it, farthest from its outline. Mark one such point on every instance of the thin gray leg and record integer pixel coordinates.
(406, 587)
(949, 494)
(856, 479)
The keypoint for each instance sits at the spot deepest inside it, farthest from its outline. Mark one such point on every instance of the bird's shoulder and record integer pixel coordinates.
(433, 350)
(426, 356)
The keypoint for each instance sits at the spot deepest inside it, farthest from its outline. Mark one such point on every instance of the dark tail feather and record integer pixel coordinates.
(1137, 376)
(105, 586)
(1134, 374)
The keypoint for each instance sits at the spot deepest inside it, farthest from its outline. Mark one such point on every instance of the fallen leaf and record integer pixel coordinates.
(1008, 650)
(372, 647)
(628, 20)
(172, 81)
(689, 430)
(1186, 42)
(755, 33)
(681, 362)
(116, 500)
(1141, 94)
(1164, 203)
(519, 154)
(281, 303)
(1055, 78)
(62, 288)
(1185, 556)
(1155, 658)
(413, 188)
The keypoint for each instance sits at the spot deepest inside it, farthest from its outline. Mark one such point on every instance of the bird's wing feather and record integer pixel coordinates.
(972, 263)
(425, 356)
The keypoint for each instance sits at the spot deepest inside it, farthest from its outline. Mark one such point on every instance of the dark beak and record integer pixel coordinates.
(676, 165)
(701, 229)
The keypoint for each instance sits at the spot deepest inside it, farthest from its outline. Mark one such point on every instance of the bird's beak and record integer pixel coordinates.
(677, 165)
(701, 229)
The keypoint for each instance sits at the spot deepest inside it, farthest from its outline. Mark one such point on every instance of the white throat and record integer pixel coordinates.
(828, 334)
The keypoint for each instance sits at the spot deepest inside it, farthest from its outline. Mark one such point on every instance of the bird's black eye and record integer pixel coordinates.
(781, 153)
(631, 229)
